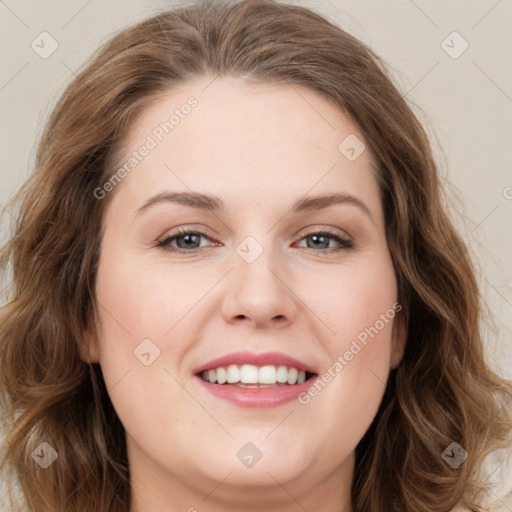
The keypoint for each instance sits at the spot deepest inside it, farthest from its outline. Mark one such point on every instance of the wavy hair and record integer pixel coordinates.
(443, 391)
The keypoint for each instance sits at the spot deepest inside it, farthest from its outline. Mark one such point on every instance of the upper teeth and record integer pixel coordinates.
(250, 374)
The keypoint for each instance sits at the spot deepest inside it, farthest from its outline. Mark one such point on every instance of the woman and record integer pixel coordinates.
(255, 370)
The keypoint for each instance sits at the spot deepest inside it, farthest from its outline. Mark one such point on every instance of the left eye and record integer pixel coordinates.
(187, 241)
(323, 237)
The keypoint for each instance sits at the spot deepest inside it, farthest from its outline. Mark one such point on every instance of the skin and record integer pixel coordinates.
(260, 148)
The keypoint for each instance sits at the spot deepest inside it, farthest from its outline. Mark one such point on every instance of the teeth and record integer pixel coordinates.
(293, 373)
(250, 374)
(282, 374)
(222, 375)
(267, 375)
(233, 374)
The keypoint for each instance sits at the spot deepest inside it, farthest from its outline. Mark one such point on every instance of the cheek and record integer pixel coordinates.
(145, 300)
(353, 301)
(139, 306)
(359, 307)
(350, 389)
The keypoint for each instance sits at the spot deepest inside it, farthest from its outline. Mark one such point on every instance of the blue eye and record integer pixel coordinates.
(324, 237)
(189, 241)
(185, 239)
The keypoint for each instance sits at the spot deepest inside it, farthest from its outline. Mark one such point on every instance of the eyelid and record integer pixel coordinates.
(316, 228)
(307, 230)
(188, 228)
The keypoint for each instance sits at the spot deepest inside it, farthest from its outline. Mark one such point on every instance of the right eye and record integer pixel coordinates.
(185, 238)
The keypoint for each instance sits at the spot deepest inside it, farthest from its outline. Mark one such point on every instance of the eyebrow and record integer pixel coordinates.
(214, 203)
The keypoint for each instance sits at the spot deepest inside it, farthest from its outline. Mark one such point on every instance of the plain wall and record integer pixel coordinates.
(465, 101)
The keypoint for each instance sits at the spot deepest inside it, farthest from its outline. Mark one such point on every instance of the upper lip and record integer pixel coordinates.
(266, 358)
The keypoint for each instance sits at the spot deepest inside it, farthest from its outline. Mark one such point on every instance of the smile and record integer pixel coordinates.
(247, 374)
(246, 379)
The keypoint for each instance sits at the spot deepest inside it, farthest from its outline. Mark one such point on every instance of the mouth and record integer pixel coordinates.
(246, 379)
(253, 376)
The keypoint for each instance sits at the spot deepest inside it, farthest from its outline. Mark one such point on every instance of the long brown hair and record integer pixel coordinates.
(443, 391)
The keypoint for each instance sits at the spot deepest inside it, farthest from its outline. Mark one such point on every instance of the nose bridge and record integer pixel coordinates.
(257, 289)
(258, 263)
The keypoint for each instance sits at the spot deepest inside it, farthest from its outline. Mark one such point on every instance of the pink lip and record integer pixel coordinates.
(273, 358)
(256, 397)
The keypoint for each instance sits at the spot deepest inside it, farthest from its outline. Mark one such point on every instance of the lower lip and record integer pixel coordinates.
(256, 397)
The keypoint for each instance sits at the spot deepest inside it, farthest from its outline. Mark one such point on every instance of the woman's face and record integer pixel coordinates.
(269, 272)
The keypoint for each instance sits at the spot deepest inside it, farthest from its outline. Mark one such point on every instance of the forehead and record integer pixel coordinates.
(269, 143)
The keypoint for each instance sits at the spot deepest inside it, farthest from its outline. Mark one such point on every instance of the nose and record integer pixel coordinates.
(258, 294)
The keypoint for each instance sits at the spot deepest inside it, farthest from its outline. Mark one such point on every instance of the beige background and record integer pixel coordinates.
(465, 100)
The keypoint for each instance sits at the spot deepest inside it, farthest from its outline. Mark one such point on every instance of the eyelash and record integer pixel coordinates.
(164, 244)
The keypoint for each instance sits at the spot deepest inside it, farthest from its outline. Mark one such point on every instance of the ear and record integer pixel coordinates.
(398, 340)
